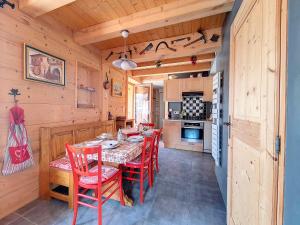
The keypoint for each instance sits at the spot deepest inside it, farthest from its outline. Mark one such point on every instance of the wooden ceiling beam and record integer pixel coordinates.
(35, 8)
(208, 57)
(165, 15)
(163, 53)
(174, 69)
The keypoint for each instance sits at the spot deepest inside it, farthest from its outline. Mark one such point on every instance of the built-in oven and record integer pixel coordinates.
(192, 131)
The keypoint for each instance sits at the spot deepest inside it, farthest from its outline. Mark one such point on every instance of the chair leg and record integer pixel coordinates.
(71, 195)
(150, 175)
(121, 190)
(156, 163)
(142, 187)
(99, 209)
(75, 210)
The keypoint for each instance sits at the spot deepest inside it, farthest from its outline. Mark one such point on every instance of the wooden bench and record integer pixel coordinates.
(53, 140)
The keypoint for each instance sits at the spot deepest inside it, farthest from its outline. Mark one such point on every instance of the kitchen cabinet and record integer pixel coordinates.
(172, 90)
(172, 137)
(171, 133)
(208, 88)
(192, 84)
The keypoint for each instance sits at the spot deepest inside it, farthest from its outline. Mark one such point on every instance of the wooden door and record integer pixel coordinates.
(143, 103)
(254, 78)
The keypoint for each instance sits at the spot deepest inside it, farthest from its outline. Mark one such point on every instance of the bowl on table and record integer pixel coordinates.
(110, 144)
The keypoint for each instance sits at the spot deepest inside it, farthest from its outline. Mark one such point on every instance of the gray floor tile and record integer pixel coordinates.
(185, 192)
(9, 219)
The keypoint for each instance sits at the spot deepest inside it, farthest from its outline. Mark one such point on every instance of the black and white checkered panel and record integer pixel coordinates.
(193, 105)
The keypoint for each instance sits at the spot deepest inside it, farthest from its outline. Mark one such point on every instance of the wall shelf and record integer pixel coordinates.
(89, 89)
(85, 106)
(88, 83)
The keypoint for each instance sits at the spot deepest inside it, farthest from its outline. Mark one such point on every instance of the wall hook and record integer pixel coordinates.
(14, 92)
(5, 2)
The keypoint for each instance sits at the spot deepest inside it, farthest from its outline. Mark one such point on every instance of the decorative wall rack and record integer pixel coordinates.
(5, 2)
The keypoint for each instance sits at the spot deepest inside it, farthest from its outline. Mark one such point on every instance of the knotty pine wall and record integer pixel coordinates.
(115, 105)
(45, 105)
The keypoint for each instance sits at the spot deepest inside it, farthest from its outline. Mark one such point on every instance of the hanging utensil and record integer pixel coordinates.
(106, 83)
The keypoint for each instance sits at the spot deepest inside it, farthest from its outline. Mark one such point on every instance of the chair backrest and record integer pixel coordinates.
(147, 125)
(80, 158)
(157, 135)
(147, 151)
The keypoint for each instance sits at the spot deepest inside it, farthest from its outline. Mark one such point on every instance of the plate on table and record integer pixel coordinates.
(110, 144)
(88, 144)
(136, 138)
(93, 143)
(104, 136)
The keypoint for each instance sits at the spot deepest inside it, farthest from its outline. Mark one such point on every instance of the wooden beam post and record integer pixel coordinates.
(172, 69)
(168, 14)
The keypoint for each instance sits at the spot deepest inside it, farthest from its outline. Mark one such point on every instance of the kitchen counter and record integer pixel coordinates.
(173, 138)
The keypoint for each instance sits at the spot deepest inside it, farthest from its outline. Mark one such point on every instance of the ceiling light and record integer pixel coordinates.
(123, 62)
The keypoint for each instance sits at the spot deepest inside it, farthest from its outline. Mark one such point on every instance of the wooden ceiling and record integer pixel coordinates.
(85, 13)
(166, 32)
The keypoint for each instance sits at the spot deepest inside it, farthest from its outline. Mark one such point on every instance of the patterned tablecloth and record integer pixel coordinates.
(128, 131)
(126, 152)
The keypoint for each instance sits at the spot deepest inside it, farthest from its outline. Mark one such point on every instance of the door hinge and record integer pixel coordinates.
(277, 144)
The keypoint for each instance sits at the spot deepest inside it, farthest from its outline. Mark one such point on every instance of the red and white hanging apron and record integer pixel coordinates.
(18, 152)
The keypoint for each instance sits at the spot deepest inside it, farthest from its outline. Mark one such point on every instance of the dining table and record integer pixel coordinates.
(135, 131)
(125, 152)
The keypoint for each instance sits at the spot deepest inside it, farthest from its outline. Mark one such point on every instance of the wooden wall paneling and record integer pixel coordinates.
(44, 105)
(115, 105)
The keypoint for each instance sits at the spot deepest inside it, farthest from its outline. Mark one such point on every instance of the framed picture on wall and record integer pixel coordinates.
(43, 67)
(117, 88)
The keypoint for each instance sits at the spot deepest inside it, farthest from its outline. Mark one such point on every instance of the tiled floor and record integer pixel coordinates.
(185, 193)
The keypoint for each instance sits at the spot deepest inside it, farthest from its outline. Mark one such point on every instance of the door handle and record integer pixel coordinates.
(227, 124)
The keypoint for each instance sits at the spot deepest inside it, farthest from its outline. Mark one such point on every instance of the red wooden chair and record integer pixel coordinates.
(86, 178)
(155, 164)
(147, 125)
(141, 166)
